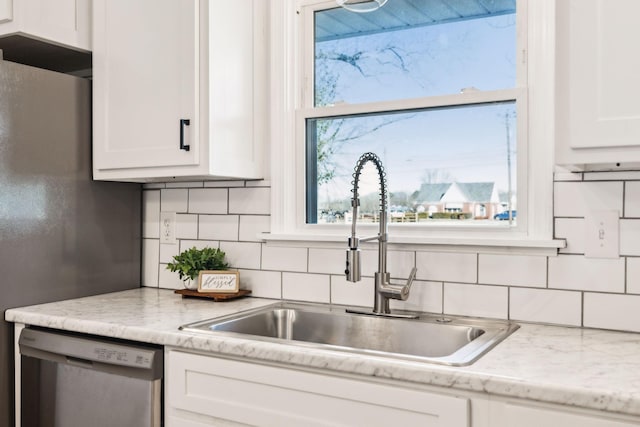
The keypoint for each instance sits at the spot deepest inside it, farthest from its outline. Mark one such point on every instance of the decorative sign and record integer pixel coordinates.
(218, 281)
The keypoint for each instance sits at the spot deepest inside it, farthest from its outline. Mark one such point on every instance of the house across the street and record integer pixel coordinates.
(480, 200)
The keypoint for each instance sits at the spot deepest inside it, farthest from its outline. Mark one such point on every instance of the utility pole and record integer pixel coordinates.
(507, 128)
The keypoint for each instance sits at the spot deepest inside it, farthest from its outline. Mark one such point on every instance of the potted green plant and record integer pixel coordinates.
(190, 262)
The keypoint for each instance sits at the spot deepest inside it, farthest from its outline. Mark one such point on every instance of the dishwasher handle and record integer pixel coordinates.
(82, 363)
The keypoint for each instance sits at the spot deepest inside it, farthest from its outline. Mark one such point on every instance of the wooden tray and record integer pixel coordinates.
(187, 293)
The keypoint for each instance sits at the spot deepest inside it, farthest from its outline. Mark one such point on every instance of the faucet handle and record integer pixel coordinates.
(406, 288)
(397, 291)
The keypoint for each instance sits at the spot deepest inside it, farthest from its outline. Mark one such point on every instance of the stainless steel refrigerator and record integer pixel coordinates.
(62, 235)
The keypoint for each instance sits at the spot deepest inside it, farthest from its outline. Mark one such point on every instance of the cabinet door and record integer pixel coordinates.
(509, 415)
(145, 70)
(597, 75)
(255, 394)
(63, 22)
(6, 11)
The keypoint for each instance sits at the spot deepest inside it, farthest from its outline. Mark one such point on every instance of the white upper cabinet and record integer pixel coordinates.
(178, 89)
(598, 113)
(145, 82)
(63, 22)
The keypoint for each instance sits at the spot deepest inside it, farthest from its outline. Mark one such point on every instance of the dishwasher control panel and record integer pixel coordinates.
(88, 349)
(109, 354)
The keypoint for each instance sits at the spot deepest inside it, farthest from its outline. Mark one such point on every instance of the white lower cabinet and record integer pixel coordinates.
(528, 414)
(203, 390)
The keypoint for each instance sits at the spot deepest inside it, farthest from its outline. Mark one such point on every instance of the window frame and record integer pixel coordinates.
(292, 104)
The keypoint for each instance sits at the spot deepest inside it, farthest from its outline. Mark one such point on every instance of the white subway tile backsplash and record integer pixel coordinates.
(264, 284)
(242, 254)
(198, 244)
(208, 200)
(576, 199)
(368, 261)
(424, 296)
(632, 200)
(150, 257)
(168, 279)
(223, 184)
(576, 272)
(230, 215)
(327, 261)
(344, 292)
(167, 252)
(218, 227)
(447, 266)
(151, 214)
(174, 200)
(186, 226)
(612, 176)
(284, 259)
(252, 201)
(259, 183)
(399, 263)
(562, 174)
(546, 306)
(476, 300)
(571, 229)
(306, 287)
(184, 184)
(153, 185)
(633, 275)
(630, 237)
(251, 225)
(512, 270)
(610, 311)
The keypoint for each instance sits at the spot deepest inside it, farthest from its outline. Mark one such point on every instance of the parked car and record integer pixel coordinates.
(397, 211)
(502, 216)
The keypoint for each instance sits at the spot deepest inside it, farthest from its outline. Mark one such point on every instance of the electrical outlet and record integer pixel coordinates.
(168, 228)
(602, 234)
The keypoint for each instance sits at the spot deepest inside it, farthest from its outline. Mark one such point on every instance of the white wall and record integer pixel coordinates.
(567, 289)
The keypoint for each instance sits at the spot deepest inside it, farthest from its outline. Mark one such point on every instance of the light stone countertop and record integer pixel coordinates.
(577, 367)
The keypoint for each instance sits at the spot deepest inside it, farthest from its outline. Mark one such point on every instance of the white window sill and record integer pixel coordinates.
(542, 247)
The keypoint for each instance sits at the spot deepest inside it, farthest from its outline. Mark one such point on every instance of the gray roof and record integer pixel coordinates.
(398, 14)
(472, 191)
(477, 191)
(432, 192)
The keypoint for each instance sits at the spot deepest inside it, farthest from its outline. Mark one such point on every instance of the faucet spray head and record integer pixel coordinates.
(352, 271)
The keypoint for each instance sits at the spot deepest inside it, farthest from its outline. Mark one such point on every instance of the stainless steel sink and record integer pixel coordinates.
(431, 338)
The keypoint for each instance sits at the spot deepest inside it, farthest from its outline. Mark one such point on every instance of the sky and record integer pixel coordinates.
(464, 144)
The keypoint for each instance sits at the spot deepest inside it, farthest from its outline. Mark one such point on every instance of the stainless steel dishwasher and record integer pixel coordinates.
(70, 381)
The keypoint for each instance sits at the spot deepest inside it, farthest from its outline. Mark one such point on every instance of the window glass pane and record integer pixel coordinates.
(442, 164)
(417, 48)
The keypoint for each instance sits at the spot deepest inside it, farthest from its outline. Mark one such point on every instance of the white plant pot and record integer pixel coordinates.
(191, 284)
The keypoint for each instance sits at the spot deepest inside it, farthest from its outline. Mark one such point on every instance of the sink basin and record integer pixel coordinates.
(431, 338)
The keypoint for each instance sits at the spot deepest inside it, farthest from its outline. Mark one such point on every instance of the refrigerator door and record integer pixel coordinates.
(62, 235)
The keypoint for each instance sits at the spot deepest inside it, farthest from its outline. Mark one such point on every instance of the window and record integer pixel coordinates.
(439, 90)
(434, 158)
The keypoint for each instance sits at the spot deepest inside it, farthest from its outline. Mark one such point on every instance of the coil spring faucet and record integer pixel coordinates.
(384, 289)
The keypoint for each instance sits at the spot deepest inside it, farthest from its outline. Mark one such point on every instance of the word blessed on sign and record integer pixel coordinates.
(218, 281)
